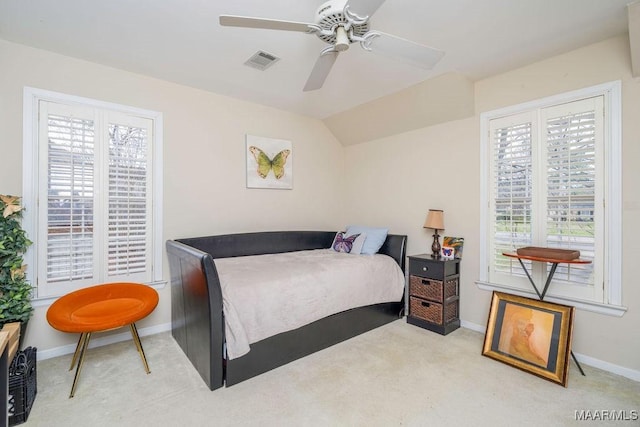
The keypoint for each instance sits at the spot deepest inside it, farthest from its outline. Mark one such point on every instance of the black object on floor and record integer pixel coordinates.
(22, 385)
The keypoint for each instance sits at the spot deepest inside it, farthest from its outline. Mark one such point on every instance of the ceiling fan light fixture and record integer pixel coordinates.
(342, 39)
(331, 17)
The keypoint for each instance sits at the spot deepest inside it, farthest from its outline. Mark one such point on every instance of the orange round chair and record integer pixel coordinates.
(102, 308)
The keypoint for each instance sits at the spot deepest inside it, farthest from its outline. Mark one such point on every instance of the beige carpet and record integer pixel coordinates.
(395, 375)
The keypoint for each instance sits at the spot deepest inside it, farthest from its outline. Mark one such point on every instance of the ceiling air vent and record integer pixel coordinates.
(261, 60)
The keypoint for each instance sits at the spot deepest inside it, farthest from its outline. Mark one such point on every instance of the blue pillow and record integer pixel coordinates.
(375, 237)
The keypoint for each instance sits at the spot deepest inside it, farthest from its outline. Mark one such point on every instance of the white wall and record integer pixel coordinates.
(395, 180)
(204, 157)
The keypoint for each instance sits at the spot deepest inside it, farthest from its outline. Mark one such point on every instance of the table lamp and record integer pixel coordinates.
(435, 220)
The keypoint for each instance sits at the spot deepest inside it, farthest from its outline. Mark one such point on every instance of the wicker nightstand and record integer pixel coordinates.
(434, 299)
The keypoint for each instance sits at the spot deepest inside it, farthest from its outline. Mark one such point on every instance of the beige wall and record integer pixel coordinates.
(204, 157)
(391, 181)
(395, 180)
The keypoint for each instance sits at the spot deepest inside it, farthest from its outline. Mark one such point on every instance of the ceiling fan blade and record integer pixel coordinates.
(402, 50)
(268, 24)
(364, 8)
(320, 71)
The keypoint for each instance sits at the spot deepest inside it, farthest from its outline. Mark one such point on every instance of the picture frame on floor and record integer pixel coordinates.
(531, 335)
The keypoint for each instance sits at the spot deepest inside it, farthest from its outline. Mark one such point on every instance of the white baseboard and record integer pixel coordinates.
(100, 341)
(609, 367)
(587, 360)
(473, 326)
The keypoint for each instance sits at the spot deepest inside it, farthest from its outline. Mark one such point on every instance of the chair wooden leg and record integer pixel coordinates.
(136, 339)
(83, 336)
(85, 344)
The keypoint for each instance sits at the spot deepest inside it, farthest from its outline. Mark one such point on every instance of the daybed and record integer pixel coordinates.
(197, 305)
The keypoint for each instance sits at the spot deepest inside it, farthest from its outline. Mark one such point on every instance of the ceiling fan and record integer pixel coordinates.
(340, 23)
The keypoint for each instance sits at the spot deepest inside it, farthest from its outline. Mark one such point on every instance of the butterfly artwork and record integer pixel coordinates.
(11, 205)
(265, 164)
(448, 252)
(269, 163)
(343, 243)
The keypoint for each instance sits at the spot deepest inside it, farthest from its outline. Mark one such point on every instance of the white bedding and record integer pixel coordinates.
(265, 295)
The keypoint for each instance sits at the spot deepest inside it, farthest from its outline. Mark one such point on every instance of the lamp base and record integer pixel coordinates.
(435, 247)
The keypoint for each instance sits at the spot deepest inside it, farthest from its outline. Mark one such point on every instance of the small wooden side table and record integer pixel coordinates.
(434, 293)
(554, 264)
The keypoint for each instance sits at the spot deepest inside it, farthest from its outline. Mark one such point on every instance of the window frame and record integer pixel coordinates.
(611, 91)
(31, 100)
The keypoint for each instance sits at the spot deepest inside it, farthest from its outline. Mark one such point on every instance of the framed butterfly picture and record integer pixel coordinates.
(447, 252)
(269, 163)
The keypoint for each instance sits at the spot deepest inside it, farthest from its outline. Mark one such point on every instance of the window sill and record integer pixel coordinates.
(47, 301)
(606, 309)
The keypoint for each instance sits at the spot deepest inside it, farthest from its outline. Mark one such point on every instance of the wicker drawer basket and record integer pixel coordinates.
(432, 289)
(433, 312)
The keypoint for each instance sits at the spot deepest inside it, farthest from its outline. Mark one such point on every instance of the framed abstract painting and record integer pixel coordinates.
(457, 243)
(531, 335)
(269, 163)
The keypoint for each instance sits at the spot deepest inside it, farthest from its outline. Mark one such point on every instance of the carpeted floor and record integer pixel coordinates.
(395, 375)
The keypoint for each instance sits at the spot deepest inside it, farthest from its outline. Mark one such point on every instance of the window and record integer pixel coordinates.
(551, 177)
(92, 182)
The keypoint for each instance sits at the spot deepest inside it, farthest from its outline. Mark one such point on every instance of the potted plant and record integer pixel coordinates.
(15, 291)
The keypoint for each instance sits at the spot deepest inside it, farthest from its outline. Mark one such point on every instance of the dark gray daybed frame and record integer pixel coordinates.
(196, 304)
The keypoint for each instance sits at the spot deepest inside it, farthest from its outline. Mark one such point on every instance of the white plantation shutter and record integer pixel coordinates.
(128, 237)
(67, 188)
(573, 150)
(512, 189)
(97, 217)
(545, 180)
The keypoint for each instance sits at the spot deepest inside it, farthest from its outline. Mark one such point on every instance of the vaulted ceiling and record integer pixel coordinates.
(182, 41)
